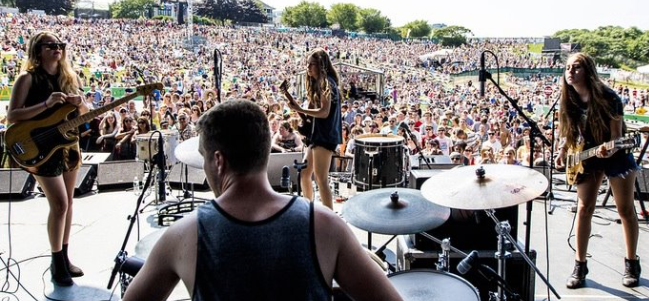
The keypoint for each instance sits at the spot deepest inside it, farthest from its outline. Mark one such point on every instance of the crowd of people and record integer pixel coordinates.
(433, 113)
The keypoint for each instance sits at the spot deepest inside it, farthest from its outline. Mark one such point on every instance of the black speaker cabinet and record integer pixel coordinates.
(116, 175)
(85, 180)
(15, 183)
(469, 230)
(195, 178)
(519, 275)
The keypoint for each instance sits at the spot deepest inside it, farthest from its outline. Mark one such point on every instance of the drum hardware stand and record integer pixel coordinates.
(159, 162)
(503, 229)
(443, 263)
(174, 212)
(122, 254)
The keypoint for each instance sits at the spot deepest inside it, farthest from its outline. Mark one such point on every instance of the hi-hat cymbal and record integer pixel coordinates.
(187, 152)
(394, 211)
(500, 186)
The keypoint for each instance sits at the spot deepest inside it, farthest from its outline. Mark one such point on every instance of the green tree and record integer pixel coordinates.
(130, 9)
(52, 7)
(452, 35)
(344, 14)
(638, 49)
(221, 9)
(370, 20)
(417, 29)
(252, 11)
(305, 13)
(8, 3)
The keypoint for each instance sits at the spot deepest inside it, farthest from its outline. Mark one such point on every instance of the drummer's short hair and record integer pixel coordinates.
(238, 129)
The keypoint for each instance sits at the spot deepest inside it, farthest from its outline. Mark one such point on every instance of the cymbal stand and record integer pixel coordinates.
(503, 229)
(298, 166)
(370, 173)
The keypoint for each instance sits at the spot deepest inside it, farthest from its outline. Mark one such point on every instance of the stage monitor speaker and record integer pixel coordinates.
(519, 275)
(642, 177)
(419, 176)
(22, 184)
(116, 175)
(85, 180)
(195, 177)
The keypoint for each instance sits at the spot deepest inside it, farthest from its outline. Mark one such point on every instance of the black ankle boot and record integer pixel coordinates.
(631, 272)
(59, 270)
(578, 277)
(72, 269)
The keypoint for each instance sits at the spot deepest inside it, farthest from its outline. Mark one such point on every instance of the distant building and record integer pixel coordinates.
(268, 10)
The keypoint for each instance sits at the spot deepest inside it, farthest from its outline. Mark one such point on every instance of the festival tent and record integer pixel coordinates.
(435, 54)
(643, 69)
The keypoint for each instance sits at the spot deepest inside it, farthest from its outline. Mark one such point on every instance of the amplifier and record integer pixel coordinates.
(519, 275)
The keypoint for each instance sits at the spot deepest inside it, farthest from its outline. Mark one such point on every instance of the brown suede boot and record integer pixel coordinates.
(631, 272)
(578, 277)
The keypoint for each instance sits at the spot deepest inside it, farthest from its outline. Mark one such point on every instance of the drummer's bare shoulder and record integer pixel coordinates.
(342, 256)
(173, 258)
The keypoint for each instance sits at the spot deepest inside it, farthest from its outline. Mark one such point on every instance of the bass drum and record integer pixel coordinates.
(431, 285)
(385, 152)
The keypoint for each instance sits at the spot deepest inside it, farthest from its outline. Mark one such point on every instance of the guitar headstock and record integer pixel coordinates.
(148, 88)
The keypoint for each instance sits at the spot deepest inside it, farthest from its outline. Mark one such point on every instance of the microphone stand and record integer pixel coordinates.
(122, 255)
(550, 194)
(535, 132)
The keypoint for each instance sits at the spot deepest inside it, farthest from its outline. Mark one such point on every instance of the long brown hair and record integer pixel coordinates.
(326, 69)
(68, 79)
(600, 111)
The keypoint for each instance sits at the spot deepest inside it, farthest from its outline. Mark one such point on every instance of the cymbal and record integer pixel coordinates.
(377, 212)
(187, 152)
(145, 245)
(500, 186)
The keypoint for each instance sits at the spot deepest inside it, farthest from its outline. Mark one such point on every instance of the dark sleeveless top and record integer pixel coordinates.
(328, 131)
(64, 159)
(273, 259)
(43, 84)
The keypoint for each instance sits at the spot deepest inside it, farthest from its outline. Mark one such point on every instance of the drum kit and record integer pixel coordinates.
(396, 211)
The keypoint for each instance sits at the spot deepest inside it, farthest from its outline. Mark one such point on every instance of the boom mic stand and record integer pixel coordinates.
(550, 194)
(122, 254)
(413, 137)
(534, 133)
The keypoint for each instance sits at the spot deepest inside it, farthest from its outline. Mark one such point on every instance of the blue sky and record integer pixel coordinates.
(505, 18)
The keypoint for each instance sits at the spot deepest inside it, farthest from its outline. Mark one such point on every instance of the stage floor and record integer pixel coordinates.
(101, 222)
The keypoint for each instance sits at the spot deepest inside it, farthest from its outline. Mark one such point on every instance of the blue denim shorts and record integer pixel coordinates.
(619, 165)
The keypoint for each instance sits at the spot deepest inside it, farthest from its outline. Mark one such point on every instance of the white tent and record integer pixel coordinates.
(435, 54)
(643, 69)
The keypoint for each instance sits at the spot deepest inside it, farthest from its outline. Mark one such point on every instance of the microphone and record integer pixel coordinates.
(285, 182)
(404, 126)
(482, 76)
(467, 263)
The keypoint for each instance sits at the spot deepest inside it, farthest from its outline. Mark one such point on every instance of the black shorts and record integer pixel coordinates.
(329, 146)
(63, 160)
(619, 165)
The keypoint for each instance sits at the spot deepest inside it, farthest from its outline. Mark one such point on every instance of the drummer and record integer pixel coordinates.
(259, 259)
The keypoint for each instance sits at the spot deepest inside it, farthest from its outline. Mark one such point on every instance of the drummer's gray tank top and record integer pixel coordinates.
(273, 259)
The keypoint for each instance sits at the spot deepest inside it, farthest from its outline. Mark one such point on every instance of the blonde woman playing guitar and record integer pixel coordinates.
(591, 115)
(47, 83)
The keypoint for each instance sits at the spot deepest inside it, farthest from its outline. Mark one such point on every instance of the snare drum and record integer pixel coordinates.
(147, 146)
(415, 285)
(386, 153)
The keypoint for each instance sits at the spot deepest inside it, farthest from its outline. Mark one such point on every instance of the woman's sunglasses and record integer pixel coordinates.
(54, 46)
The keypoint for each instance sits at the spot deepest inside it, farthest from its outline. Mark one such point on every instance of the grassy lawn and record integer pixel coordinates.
(535, 48)
(632, 84)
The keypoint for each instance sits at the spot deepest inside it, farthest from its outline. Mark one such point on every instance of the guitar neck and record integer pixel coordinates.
(76, 122)
(591, 152)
